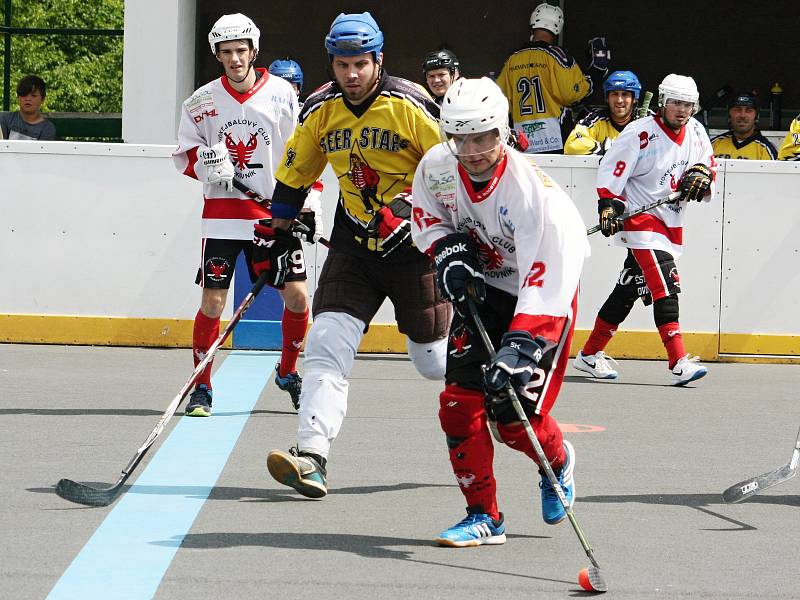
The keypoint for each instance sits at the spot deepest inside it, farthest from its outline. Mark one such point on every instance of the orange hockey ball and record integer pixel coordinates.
(583, 580)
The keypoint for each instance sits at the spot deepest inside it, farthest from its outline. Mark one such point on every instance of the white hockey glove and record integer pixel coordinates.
(218, 166)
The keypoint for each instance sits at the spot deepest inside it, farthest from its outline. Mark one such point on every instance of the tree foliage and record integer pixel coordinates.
(83, 72)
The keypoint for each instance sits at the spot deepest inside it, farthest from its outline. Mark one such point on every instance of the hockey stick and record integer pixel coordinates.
(646, 99)
(671, 198)
(81, 493)
(750, 487)
(266, 202)
(596, 579)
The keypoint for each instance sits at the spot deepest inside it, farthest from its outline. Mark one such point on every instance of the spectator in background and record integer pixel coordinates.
(441, 69)
(790, 148)
(596, 131)
(28, 123)
(541, 80)
(744, 139)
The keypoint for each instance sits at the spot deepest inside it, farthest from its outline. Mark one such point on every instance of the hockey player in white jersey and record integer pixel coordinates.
(496, 224)
(652, 158)
(236, 127)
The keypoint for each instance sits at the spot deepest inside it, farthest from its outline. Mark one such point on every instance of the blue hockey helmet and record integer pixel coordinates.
(622, 81)
(288, 70)
(354, 34)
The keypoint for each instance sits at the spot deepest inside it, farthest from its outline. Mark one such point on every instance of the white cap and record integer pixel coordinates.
(474, 106)
(549, 17)
(678, 87)
(233, 27)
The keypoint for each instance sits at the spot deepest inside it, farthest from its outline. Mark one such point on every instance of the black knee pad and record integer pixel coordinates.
(619, 304)
(665, 310)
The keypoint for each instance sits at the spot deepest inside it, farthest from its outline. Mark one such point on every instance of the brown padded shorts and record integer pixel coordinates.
(358, 286)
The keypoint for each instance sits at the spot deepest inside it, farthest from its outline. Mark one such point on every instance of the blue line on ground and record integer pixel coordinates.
(126, 557)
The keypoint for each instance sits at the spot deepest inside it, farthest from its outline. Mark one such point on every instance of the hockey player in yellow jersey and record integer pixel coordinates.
(595, 133)
(373, 129)
(539, 81)
(744, 139)
(790, 148)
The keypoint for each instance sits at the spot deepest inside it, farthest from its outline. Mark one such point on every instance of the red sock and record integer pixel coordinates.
(206, 331)
(293, 328)
(600, 336)
(673, 342)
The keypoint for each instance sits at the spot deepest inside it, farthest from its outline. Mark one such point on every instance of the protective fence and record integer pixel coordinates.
(101, 242)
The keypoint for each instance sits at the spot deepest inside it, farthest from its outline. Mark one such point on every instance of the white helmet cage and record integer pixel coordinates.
(549, 17)
(679, 87)
(233, 27)
(474, 106)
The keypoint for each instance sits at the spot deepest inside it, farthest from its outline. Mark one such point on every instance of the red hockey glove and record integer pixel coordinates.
(273, 248)
(391, 224)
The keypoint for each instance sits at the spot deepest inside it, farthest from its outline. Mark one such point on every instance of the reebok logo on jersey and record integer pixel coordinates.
(459, 248)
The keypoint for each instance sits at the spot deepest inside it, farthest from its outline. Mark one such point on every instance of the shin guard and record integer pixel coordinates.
(547, 432)
(463, 420)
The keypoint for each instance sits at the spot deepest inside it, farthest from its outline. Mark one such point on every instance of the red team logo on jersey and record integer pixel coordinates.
(241, 152)
(489, 255)
(643, 140)
(459, 340)
(217, 269)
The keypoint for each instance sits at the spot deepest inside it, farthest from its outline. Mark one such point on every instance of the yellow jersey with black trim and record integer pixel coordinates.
(373, 148)
(591, 132)
(790, 148)
(539, 82)
(756, 147)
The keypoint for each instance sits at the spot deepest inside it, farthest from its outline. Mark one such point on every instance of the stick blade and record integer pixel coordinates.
(750, 487)
(597, 580)
(80, 493)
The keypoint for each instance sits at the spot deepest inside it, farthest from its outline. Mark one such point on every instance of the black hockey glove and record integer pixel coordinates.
(307, 226)
(696, 182)
(458, 270)
(273, 248)
(391, 224)
(599, 54)
(609, 210)
(517, 358)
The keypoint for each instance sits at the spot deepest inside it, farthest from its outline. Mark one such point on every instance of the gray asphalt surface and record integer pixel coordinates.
(648, 486)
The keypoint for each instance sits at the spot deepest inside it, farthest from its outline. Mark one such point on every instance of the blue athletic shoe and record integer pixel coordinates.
(552, 510)
(199, 402)
(474, 530)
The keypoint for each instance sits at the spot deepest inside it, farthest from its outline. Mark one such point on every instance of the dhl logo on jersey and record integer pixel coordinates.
(376, 138)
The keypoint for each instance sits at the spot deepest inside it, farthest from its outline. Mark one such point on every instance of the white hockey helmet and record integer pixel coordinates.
(474, 106)
(549, 17)
(233, 27)
(679, 87)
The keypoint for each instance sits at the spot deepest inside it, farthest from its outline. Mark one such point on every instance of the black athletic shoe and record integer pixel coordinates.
(292, 383)
(199, 402)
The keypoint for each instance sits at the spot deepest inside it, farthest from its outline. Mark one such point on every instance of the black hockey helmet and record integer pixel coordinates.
(440, 59)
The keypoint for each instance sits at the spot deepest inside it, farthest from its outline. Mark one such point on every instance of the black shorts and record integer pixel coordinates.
(649, 275)
(467, 356)
(219, 262)
(358, 286)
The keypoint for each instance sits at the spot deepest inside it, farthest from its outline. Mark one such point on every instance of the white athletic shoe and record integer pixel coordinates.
(686, 370)
(596, 365)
